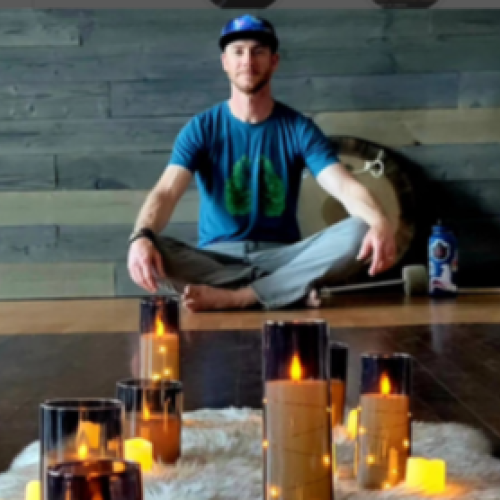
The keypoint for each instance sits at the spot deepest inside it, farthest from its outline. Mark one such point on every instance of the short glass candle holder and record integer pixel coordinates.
(384, 426)
(159, 339)
(79, 429)
(297, 441)
(94, 480)
(339, 356)
(153, 411)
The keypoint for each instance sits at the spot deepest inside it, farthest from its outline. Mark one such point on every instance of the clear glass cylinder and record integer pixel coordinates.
(79, 429)
(94, 480)
(159, 339)
(384, 426)
(297, 440)
(339, 357)
(153, 411)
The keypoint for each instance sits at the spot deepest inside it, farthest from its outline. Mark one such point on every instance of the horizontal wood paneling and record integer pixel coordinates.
(479, 90)
(456, 161)
(27, 172)
(304, 93)
(84, 208)
(95, 243)
(55, 280)
(401, 128)
(465, 22)
(44, 136)
(54, 100)
(110, 171)
(30, 28)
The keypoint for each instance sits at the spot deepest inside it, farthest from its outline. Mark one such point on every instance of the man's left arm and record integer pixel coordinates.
(333, 177)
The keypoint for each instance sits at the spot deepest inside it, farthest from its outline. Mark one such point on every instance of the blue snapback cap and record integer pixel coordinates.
(248, 26)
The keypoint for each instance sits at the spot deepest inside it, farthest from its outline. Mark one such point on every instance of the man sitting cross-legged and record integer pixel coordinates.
(248, 154)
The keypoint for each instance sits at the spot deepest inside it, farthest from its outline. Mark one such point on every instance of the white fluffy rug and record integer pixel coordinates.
(222, 460)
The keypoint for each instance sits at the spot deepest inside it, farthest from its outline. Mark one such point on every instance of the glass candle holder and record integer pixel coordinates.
(159, 340)
(339, 354)
(297, 441)
(153, 411)
(94, 480)
(384, 431)
(79, 429)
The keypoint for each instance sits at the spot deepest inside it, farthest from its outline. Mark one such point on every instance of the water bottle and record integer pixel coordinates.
(443, 262)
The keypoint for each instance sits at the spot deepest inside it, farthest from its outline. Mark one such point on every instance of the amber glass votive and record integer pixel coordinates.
(79, 429)
(153, 411)
(94, 480)
(297, 441)
(384, 432)
(159, 339)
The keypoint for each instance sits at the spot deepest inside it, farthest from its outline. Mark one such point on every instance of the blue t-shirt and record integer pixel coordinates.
(249, 175)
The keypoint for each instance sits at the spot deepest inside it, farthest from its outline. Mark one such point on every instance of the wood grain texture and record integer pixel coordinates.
(455, 162)
(342, 28)
(110, 171)
(479, 90)
(401, 128)
(32, 28)
(307, 94)
(27, 172)
(85, 208)
(109, 315)
(21, 281)
(465, 22)
(95, 243)
(54, 100)
(47, 136)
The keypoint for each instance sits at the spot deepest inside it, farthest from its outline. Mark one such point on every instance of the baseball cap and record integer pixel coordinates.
(249, 27)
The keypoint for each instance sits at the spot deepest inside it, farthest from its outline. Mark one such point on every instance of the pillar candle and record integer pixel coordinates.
(383, 439)
(297, 426)
(159, 356)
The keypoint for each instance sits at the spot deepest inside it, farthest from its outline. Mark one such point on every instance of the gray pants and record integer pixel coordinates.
(279, 274)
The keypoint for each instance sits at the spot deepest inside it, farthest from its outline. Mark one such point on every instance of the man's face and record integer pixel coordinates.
(249, 65)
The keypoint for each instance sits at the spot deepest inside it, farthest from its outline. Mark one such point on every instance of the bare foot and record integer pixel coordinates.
(313, 299)
(206, 298)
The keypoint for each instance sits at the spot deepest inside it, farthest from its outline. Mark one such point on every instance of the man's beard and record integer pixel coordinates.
(257, 87)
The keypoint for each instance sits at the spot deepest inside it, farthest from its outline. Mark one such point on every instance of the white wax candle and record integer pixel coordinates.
(159, 356)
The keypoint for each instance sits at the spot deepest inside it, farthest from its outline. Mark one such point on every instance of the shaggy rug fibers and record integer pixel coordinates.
(222, 460)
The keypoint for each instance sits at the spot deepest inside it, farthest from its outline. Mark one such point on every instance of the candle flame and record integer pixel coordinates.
(296, 369)
(159, 326)
(83, 451)
(145, 413)
(385, 385)
(265, 443)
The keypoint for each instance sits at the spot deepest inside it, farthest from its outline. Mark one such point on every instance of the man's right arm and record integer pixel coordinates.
(144, 260)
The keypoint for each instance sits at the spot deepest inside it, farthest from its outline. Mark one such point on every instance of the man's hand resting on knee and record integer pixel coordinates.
(379, 244)
(145, 264)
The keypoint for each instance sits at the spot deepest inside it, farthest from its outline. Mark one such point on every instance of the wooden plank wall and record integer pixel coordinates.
(92, 101)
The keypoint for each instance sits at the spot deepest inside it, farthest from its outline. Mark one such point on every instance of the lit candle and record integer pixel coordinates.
(32, 491)
(352, 424)
(298, 446)
(416, 472)
(141, 451)
(384, 426)
(159, 340)
(435, 477)
(153, 412)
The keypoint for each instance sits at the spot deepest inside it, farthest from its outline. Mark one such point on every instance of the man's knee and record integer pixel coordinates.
(350, 232)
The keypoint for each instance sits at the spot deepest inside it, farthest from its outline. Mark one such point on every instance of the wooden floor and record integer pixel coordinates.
(122, 315)
(82, 348)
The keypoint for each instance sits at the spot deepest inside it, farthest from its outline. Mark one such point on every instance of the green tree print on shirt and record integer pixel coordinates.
(237, 188)
(237, 192)
(273, 190)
